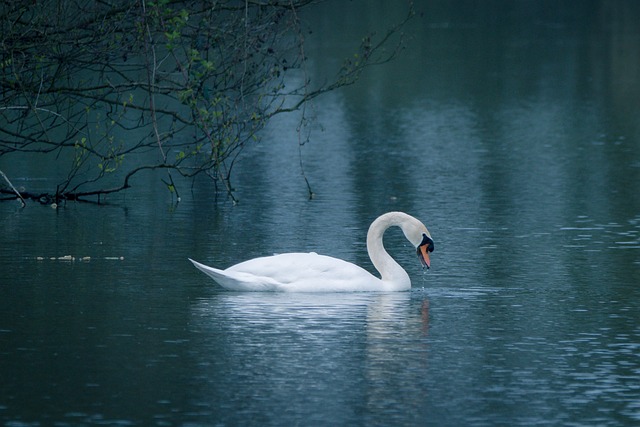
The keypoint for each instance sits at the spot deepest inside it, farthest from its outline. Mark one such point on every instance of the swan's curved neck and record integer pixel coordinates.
(390, 271)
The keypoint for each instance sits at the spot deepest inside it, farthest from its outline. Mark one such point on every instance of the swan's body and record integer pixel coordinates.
(310, 272)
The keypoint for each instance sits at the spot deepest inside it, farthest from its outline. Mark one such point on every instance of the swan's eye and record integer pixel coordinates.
(426, 240)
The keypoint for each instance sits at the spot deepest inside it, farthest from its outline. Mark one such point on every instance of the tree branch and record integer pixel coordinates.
(16, 192)
(103, 87)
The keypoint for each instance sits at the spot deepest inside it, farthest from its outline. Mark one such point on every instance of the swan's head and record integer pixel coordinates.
(424, 248)
(419, 236)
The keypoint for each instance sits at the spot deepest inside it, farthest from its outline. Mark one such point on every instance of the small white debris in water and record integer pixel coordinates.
(84, 258)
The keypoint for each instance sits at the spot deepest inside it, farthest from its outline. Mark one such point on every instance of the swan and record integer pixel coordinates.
(310, 272)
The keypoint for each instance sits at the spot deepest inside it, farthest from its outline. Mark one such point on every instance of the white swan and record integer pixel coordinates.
(310, 272)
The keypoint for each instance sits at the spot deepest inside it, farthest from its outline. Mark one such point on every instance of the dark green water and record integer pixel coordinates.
(510, 128)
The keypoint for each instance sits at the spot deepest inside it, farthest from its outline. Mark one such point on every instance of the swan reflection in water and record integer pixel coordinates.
(333, 344)
(296, 312)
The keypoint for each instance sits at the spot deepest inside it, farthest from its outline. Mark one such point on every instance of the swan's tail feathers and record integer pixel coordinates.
(214, 273)
(235, 281)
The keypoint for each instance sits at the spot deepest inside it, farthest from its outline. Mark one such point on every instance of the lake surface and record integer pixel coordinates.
(509, 128)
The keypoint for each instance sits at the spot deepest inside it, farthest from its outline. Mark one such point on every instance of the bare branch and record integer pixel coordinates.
(16, 192)
(110, 88)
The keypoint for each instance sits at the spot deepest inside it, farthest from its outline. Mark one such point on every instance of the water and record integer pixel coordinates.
(511, 130)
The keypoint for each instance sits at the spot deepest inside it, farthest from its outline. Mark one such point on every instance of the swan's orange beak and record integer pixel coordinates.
(423, 254)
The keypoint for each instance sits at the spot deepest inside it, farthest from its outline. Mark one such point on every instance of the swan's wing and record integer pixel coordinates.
(294, 272)
(237, 281)
(308, 272)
